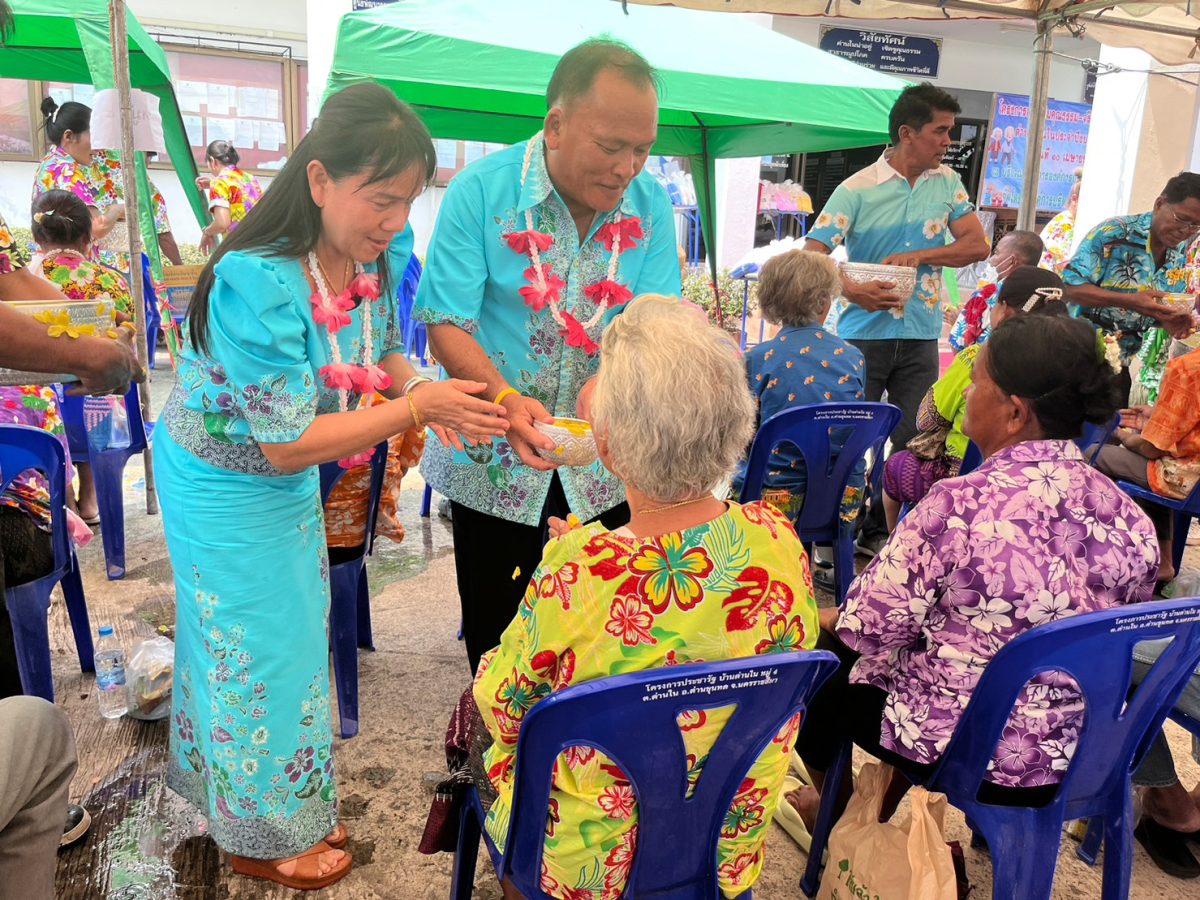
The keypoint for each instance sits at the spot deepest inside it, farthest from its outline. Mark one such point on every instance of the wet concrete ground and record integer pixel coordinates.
(147, 844)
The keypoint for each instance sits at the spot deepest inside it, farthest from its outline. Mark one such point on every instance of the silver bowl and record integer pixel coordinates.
(904, 277)
(573, 442)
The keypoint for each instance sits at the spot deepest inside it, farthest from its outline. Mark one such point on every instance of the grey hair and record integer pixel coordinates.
(671, 399)
(794, 287)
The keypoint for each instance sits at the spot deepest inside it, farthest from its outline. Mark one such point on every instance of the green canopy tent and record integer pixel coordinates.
(478, 70)
(70, 41)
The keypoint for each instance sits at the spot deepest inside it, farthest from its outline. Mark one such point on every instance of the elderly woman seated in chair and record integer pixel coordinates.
(690, 578)
(1031, 536)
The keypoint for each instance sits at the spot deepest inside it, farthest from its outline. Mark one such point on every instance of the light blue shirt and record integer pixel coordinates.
(876, 213)
(472, 279)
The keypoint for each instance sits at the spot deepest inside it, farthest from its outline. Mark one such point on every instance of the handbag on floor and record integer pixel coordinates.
(883, 861)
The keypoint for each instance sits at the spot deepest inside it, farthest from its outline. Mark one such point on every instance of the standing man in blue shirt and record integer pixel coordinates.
(535, 249)
(898, 212)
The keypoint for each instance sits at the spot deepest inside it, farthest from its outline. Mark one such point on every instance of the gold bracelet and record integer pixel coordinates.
(412, 406)
(504, 393)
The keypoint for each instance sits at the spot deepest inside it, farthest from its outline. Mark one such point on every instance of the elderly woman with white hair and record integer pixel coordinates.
(690, 578)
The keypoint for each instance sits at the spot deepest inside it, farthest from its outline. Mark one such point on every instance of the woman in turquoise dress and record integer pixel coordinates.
(293, 318)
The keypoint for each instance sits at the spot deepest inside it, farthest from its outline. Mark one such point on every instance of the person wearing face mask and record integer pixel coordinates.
(293, 318)
(900, 212)
(972, 324)
(535, 249)
(67, 165)
(1128, 264)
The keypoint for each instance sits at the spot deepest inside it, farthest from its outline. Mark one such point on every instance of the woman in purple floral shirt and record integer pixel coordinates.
(1032, 536)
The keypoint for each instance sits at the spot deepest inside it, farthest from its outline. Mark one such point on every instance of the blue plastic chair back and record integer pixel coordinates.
(632, 719)
(350, 594)
(1185, 510)
(1097, 436)
(675, 194)
(153, 312)
(971, 460)
(860, 427)
(23, 448)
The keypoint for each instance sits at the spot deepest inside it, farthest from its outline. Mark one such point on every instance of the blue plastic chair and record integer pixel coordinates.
(23, 448)
(414, 332)
(1185, 510)
(153, 310)
(1096, 649)
(108, 468)
(1097, 436)
(350, 595)
(861, 428)
(625, 718)
(972, 460)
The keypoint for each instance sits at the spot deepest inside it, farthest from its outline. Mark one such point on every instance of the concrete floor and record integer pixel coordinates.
(146, 844)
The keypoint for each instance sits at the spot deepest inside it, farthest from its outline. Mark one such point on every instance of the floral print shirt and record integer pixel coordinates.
(1032, 536)
(236, 191)
(1116, 256)
(603, 604)
(1175, 428)
(58, 171)
(472, 279)
(875, 213)
(109, 178)
(1057, 238)
(10, 254)
(260, 382)
(82, 279)
(37, 406)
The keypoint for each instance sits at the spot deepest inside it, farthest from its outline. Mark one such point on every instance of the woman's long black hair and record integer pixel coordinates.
(364, 128)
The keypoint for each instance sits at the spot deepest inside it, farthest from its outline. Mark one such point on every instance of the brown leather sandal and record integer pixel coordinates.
(307, 876)
(338, 838)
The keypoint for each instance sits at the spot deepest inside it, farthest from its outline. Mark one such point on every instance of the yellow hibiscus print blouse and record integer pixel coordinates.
(606, 603)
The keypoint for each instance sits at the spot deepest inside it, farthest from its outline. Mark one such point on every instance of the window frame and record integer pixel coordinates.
(36, 92)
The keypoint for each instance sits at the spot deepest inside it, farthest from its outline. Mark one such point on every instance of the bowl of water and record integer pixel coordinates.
(573, 442)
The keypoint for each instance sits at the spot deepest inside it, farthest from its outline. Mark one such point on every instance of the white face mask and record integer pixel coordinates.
(991, 274)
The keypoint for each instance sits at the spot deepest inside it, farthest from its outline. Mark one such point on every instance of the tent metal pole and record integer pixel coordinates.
(1039, 96)
(120, 49)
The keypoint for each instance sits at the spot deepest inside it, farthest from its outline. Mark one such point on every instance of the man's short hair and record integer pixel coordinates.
(579, 67)
(915, 108)
(1184, 186)
(1027, 246)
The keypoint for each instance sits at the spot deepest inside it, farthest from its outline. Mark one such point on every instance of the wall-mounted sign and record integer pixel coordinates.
(896, 54)
(356, 5)
(1064, 144)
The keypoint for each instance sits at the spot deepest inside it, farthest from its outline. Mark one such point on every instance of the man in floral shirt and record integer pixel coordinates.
(535, 249)
(899, 212)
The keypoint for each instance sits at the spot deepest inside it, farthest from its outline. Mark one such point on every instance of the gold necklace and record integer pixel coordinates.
(659, 509)
(329, 281)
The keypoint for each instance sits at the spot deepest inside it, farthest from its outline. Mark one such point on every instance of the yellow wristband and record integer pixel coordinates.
(504, 393)
(412, 406)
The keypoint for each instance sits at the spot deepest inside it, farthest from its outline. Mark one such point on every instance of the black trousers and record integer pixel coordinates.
(26, 553)
(844, 711)
(905, 370)
(487, 551)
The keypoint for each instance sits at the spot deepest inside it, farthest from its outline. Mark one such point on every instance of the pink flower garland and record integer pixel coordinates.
(334, 314)
(545, 288)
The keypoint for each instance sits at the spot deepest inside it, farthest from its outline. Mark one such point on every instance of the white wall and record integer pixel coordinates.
(282, 19)
(985, 56)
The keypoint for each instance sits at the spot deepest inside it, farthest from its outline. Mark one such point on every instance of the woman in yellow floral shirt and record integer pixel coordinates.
(690, 578)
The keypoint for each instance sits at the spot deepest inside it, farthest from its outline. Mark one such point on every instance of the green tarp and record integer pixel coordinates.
(478, 70)
(69, 41)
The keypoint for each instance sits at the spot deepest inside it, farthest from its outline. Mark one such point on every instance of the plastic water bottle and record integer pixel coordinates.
(110, 675)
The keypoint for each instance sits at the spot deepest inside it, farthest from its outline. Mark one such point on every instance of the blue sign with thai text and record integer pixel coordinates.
(896, 54)
(1064, 145)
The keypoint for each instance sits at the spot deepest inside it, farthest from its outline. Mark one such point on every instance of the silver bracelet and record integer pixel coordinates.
(413, 382)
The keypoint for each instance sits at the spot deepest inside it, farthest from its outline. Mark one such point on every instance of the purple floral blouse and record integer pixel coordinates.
(1031, 536)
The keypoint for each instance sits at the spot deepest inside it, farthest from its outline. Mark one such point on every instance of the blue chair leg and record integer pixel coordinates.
(1118, 850)
(343, 631)
(462, 880)
(365, 640)
(72, 588)
(843, 565)
(1089, 847)
(426, 501)
(108, 468)
(1024, 844)
(1183, 523)
(824, 825)
(28, 605)
(461, 623)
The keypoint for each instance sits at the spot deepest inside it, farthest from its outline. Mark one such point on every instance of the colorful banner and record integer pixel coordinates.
(1064, 143)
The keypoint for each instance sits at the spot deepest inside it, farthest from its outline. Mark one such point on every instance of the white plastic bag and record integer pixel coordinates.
(148, 678)
(889, 862)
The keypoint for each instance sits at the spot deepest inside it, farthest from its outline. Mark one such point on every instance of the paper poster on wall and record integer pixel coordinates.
(147, 123)
(191, 95)
(1064, 144)
(62, 95)
(243, 134)
(472, 150)
(272, 95)
(85, 94)
(220, 98)
(447, 154)
(252, 101)
(271, 136)
(194, 126)
(220, 129)
(492, 148)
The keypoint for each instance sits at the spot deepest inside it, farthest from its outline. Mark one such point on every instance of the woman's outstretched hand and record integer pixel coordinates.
(455, 416)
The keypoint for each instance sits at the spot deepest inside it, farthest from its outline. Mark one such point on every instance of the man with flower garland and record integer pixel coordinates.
(898, 212)
(535, 249)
